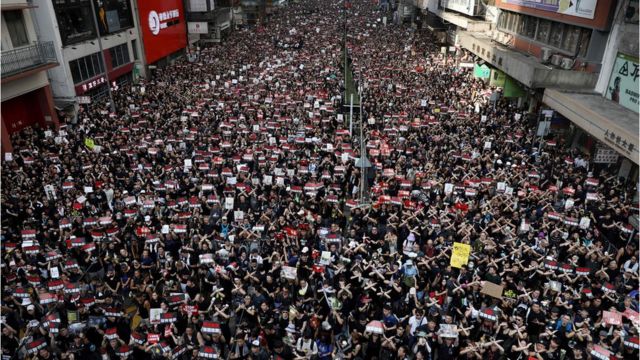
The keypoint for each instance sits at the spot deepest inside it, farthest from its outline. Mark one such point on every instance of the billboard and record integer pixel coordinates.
(467, 7)
(623, 83)
(580, 8)
(199, 27)
(163, 26)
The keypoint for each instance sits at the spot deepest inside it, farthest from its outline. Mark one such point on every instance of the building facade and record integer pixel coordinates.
(71, 26)
(573, 64)
(208, 20)
(27, 98)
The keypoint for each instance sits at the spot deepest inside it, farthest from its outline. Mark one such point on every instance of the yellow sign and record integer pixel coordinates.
(88, 142)
(460, 255)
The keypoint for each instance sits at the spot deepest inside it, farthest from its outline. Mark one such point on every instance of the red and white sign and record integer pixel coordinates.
(163, 27)
(612, 318)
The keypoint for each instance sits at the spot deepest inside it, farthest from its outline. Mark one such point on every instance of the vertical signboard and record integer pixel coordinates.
(164, 30)
(623, 83)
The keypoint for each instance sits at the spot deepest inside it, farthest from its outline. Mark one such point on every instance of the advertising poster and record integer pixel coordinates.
(580, 8)
(623, 83)
(164, 29)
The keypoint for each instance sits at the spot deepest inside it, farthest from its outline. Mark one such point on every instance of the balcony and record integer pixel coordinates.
(525, 68)
(27, 58)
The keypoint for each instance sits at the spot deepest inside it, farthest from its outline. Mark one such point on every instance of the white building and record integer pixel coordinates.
(70, 26)
(26, 94)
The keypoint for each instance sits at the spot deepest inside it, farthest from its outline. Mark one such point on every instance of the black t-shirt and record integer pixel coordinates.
(532, 327)
(447, 352)
(9, 345)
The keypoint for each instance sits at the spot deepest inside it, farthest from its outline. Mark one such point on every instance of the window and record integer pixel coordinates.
(134, 43)
(585, 38)
(74, 20)
(530, 26)
(544, 27)
(571, 37)
(113, 16)
(16, 28)
(86, 68)
(119, 55)
(555, 38)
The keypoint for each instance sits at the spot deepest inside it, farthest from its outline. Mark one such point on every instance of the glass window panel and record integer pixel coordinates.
(530, 24)
(571, 37)
(91, 66)
(555, 37)
(125, 54)
(584, 42)
(544, 27)
(75, 72)
(84, 71)
(134, 43)
(16, 28)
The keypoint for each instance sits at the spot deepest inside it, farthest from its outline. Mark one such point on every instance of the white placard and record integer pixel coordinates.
(165, 229)
(55, 273)
(448, 188)
(8, 156)
(483, 118)
(88, 189)
(267, 180)
(585, 223)
(188, 164)
(487, 145)
(228, 203)
(238, 215)
(155, 315)
(232, 180)
(508, 191)
(289, 272)
(569, 204)
(325, 258)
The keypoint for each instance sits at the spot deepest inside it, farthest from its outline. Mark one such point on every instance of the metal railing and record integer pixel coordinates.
(28, 57)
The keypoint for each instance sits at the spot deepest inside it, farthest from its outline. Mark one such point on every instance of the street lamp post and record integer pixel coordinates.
(104, 60)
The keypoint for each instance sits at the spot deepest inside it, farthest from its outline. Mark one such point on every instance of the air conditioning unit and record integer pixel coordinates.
(546, 55)
(567, 63)
(556, 60)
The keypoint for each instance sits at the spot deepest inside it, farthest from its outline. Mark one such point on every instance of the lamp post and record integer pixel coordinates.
(104, 61)
(363, 164)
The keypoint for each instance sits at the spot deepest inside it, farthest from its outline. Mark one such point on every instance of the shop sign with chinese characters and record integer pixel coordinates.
(615, 140)
(94, 83)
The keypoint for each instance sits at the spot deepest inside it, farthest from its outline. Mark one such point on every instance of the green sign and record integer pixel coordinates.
(498, 78)
(88, 142)
(481, 71)
(512, 88)
(623, 83)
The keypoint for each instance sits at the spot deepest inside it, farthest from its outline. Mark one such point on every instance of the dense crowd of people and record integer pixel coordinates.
(216, 214)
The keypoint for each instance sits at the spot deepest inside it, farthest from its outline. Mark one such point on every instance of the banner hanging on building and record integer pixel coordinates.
(623, 83)
(199, 27)
(580, 8)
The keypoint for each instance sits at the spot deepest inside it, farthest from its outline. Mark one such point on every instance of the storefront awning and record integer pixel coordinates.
(603, 119)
